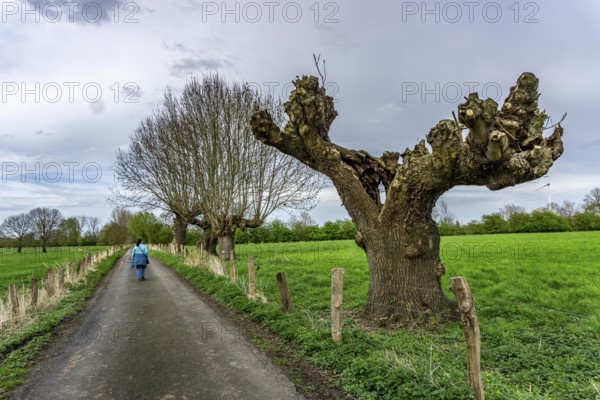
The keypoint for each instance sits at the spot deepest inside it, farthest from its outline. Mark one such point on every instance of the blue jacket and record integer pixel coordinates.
(139, 255)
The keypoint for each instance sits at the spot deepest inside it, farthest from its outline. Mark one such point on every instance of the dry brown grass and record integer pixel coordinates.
(201, 259)
(25, 315)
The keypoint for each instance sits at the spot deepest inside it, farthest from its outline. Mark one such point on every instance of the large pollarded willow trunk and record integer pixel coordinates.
(208, 242)
(226, 243)
(179, 230)
(226, 233)
(504, 147)
(404, 280)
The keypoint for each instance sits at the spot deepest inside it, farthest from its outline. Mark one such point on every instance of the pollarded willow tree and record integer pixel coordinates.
(503, 147)
(238, 181)
(154, 173)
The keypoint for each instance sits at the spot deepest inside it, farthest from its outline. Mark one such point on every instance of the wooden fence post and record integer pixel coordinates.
(466, 307)
(14, 302)
(71, 271)
(232, 271)
(286, 301)
(251, 281)
(50, 283)
(34, 292)
(61, 279)
(337, 289)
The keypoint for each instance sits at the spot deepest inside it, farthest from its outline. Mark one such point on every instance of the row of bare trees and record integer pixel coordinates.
(45, 224)
(196, 158)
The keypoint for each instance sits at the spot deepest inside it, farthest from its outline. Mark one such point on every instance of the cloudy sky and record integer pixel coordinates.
(78, 77)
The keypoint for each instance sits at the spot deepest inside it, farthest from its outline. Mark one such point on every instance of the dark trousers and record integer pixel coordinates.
(140, 269)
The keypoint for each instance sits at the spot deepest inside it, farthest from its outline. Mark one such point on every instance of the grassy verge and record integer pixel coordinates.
(309, 332)
(19, 349)
(536, 297)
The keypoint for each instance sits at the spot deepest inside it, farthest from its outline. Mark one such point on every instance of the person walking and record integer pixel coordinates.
(139, 259)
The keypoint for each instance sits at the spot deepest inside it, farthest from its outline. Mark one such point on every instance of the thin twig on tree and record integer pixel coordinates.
(324, 74)
(561, 120)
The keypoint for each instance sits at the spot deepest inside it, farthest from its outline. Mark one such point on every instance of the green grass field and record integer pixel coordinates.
(19, 268)
(537, 297)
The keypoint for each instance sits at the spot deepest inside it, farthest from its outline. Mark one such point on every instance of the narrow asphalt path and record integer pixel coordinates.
(153, 339)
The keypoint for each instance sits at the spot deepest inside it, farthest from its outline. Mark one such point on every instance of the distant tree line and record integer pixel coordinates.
(46, 227)
(513, 218)
(297, 231)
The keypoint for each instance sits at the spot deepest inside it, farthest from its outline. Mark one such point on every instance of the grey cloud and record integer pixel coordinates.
(193, 61)
(85, 11)
(97, 107)
(177, 46)
(190, 65)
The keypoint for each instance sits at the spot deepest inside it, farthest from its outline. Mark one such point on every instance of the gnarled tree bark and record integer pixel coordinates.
(208, 241)
(226, 233)
(504, 147)
(179, 229)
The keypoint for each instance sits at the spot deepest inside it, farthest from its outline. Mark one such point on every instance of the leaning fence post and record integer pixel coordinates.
(14, 302)
(251, 281)
(50, 283)
(34, 292)
(71, 271)
(466, 307)
(286, 301)
(337, 288)
(232, 271)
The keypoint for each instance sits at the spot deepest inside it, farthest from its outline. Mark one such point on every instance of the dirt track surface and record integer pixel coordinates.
(154, 339)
